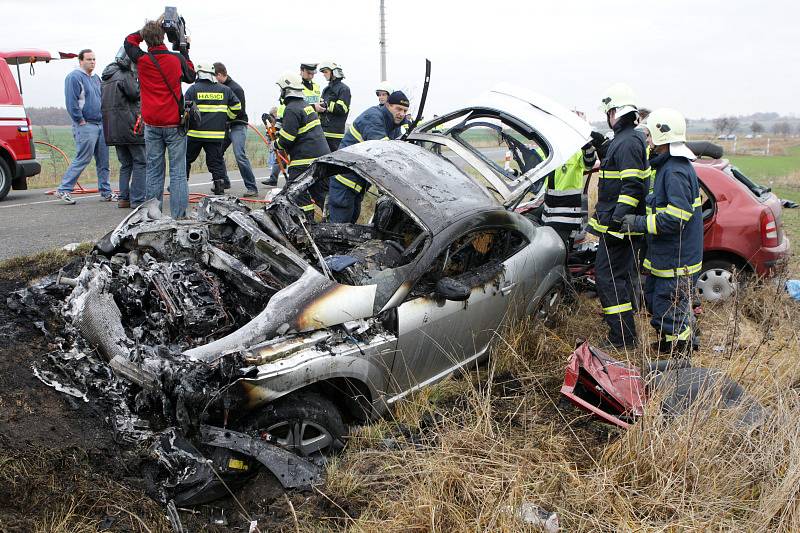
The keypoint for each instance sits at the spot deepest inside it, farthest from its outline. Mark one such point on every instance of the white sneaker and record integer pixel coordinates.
(110, 198)
(66, 198)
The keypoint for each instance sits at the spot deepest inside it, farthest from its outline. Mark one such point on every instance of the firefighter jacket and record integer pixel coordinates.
(563, 196)
(674, 219)
(624, 176)
(217, 104)
(376, 123)
(337, 99)
(301, 134)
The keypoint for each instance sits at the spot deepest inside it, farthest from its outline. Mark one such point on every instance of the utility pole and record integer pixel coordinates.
(383, 41)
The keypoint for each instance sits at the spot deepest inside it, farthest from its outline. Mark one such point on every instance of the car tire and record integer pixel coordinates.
(307, 423)
(5, 178)
(547, 308)
(718, 280)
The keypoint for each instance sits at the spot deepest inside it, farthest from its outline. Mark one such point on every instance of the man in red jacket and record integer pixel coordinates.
(160, 75)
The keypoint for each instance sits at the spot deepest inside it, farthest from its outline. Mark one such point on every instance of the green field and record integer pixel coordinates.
(53, 164)
(770, 166)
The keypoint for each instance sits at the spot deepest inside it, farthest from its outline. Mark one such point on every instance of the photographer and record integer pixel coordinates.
(160, 75)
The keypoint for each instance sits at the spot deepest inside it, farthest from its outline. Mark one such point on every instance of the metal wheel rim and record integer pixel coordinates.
(549, 303)
(305, 436)
(716, 284)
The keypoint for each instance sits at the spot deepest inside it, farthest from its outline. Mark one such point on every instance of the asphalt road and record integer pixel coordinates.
(32, 221)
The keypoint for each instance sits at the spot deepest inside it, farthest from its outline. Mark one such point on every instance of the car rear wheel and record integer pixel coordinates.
(306, 423)
(548, 306)
(5, 179)
(718, 280)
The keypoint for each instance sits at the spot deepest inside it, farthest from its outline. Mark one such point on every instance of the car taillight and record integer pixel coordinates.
(769, 229)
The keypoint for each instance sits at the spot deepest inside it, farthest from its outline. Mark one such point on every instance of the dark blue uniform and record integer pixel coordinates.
(674, 228)
(347, 189)
(624, 173)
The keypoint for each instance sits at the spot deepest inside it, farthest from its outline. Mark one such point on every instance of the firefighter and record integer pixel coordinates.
(674, 228)
(622, 184)
(335, 105)
(311, 91)
(217, 104)
(383, 91)
(376, 123)
(301, 137)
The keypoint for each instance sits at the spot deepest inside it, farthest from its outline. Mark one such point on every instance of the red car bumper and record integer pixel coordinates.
(767, 260)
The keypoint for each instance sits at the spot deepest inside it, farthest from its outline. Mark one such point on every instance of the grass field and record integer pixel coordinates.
(53, 164)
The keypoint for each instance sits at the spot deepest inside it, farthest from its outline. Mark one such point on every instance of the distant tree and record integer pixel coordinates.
(49, 116)
(720, 125)
(756, 128)
(783, 128)
(733, 123)
(797, 128)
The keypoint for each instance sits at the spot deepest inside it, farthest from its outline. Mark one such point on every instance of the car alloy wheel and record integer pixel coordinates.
(306, 423)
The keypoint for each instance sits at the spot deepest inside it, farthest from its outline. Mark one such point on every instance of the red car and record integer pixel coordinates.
(17, 154)
(742, 225)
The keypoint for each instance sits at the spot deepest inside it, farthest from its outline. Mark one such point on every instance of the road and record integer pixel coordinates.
(32, 221)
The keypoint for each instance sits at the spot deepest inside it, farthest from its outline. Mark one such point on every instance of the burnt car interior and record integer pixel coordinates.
(471, 260)
(385, 236)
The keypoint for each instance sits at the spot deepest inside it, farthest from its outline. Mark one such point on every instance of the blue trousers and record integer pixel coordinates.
(159, 141)
(344, 203)
(669, 301)
(132, 178)
(237, 136)
(89, 143)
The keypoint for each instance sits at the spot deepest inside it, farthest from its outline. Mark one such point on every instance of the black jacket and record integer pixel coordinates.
(120, 105)
(241, 115)
(624, 177)
(301, 134)
(217, 104)
(337, 98)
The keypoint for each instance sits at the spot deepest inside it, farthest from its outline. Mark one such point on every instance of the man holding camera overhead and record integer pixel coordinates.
(160, 75)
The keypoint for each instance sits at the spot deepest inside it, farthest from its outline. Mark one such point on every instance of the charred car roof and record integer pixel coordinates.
(436, 190)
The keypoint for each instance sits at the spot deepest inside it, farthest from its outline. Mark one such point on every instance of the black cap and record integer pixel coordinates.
(399, 98)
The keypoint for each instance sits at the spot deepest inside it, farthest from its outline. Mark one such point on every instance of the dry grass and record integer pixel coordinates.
(29, 267)
(499, 437)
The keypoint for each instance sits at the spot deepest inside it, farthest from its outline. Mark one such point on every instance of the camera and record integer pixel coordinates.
(175, 28)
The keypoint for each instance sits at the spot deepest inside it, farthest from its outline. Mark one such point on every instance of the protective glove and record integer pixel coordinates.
(614, 224)
(597, 139)
(630, 223)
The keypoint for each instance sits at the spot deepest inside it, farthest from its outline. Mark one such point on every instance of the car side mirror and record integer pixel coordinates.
(451, 289)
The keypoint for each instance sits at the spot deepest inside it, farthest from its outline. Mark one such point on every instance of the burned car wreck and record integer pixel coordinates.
(255, 336)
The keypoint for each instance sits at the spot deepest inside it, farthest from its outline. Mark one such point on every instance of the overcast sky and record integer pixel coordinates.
(705, 58)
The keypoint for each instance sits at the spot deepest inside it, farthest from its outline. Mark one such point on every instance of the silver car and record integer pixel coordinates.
(265, 321)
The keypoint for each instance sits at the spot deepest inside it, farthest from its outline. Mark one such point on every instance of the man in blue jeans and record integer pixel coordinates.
(237, 133)
(82, 95)
(160, 75)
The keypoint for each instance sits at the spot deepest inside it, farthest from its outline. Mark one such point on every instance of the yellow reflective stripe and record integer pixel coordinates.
(287, 136)
(236, 107)
(698, 202)
(672, 272)
(616, 309)
(597, 226)
(301, 162)
(307, 207)
(348, 183)
(308, 109)
(356, 134)
(682, 336)
(334, 135)
(199, 134)
(634, 173)
(308, 126)
(211, 108)
(609, 174)
(651, 224)
(677, 212)
(648, 210)
(628, 200)
(344, 106)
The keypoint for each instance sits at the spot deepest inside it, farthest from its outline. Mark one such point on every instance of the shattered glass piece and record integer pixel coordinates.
(51, 380)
